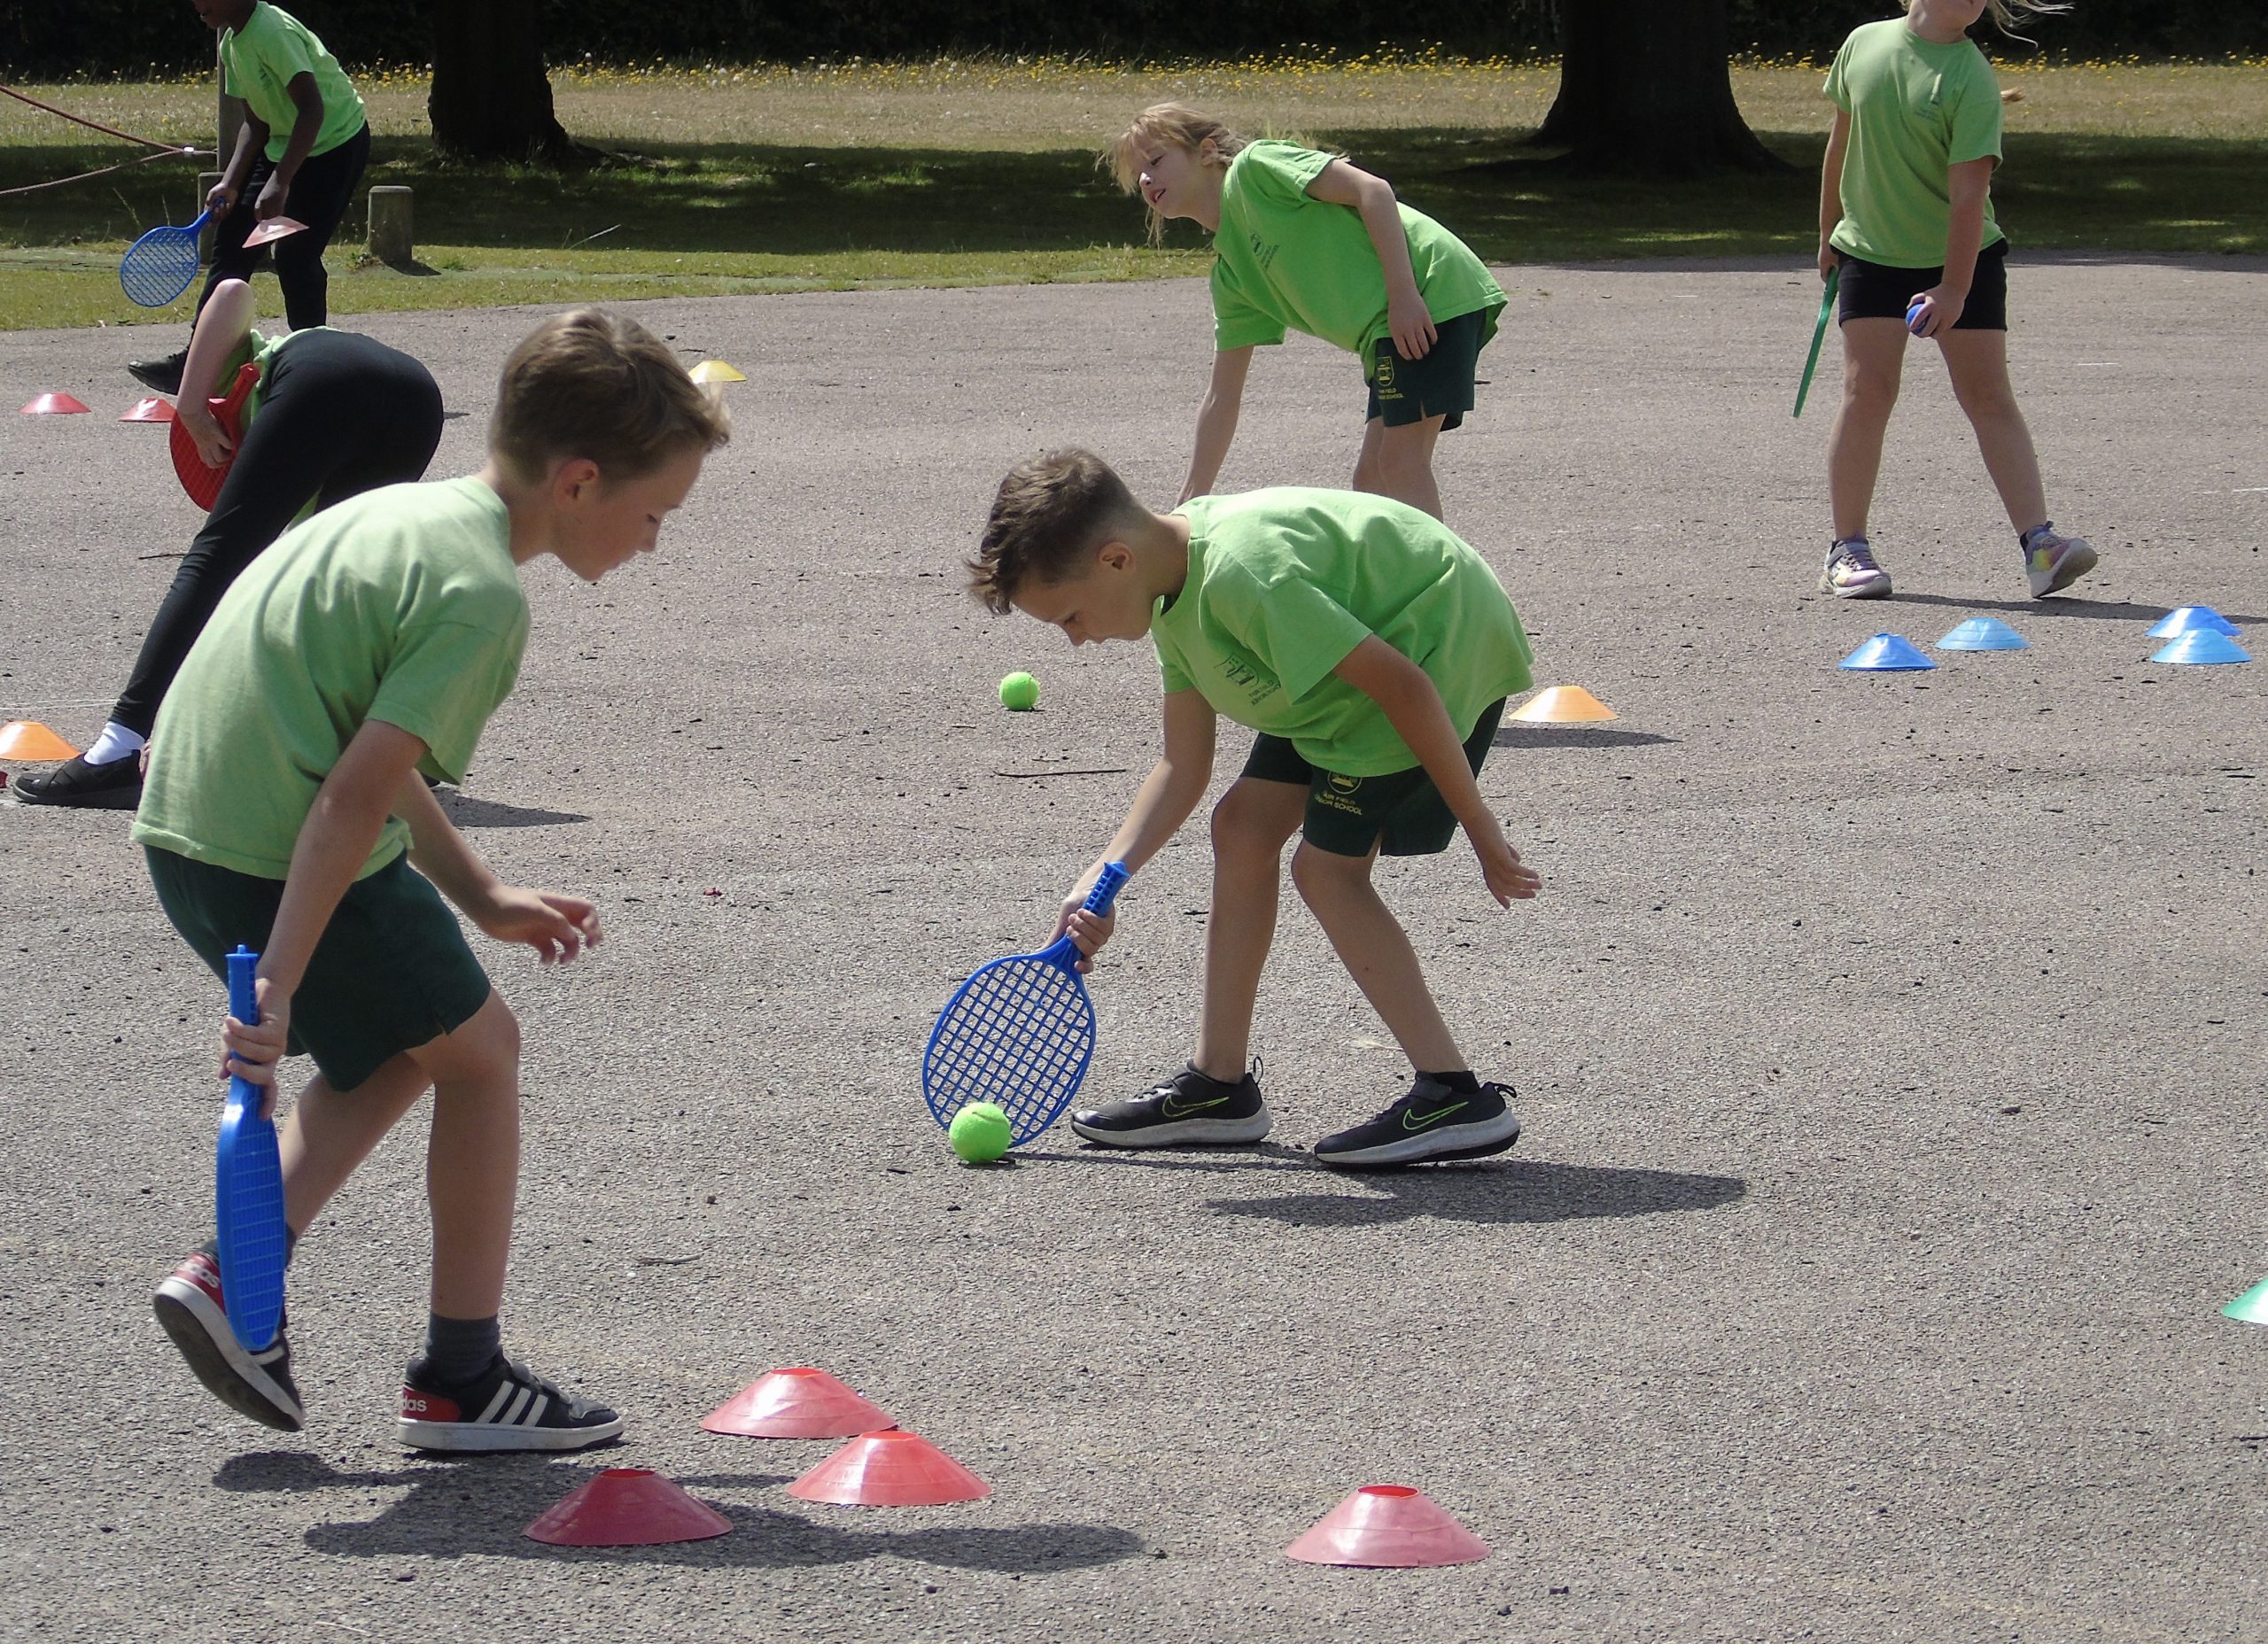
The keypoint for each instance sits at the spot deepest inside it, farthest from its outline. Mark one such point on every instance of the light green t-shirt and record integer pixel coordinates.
(402, 604)
(264, 57)
(1282, 584)
(1917, 110)
(1284, 259)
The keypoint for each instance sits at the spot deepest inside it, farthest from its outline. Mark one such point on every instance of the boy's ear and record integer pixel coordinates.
(1115, 554)
(571, 477)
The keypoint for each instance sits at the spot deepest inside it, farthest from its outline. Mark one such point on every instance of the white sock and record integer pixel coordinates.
(115, 743)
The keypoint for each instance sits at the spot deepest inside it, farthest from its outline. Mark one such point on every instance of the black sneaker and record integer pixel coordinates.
(506, 1406)
(162, 373)
(114, 784)
(258, 1384)
(1188, 1110)
(1430, 1124)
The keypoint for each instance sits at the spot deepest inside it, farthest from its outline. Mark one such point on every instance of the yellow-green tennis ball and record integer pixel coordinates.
(979, 1132)
(1020, 692)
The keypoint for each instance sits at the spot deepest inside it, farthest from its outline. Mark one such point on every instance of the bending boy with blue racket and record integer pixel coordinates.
(1372, 651)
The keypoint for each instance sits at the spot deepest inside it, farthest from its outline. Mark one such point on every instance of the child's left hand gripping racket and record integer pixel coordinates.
(1020, 1033)
(201, 484)
(248, 1191)
(158, 266)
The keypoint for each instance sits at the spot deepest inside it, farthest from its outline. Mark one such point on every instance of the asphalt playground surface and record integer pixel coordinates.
(1891, 1047)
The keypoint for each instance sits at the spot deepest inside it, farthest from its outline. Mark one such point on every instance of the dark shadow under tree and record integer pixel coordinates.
(1645, 89)
(492, 98)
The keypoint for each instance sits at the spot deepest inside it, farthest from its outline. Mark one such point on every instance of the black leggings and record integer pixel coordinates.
(322, 190)
(339, 414)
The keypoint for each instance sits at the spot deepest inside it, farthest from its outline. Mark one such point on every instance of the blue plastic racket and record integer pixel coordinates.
(248, 1191)
(158, 266)
(1020, 1033)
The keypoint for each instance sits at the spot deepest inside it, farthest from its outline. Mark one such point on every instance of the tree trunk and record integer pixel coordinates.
(491, 98)
(1645, 87)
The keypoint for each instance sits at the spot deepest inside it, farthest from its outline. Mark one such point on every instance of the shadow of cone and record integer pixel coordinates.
(2189, 618)
(799, 1403)
(54, 405)
(627, 1506)
(148, 411)
(1389, 1527)
(2252, 1306)
(28, 742)
(1563, 704)
(890, 1468)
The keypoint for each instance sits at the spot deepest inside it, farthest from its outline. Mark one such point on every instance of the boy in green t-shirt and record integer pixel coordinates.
(301, 150)
(1304, 241)
(287, 809)
(1372, 651)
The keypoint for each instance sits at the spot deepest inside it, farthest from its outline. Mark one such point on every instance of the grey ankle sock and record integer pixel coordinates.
(457, 1350)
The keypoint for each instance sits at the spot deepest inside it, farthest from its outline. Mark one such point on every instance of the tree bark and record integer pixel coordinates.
(1645, 87)
(491, 98)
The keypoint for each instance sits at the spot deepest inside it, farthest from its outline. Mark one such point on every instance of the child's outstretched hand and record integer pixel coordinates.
(1089, 931)
(1507, 876)
(251, 1053)
(1412, 326)
(558, 927)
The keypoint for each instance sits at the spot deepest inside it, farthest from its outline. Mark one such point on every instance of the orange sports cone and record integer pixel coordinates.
(798, 1403)
(890, 1468)
(54, 405)
(627, 1506)
(28, 742)
(1563, 704)
(152, 410)
(1387, 1527)
(274, 229)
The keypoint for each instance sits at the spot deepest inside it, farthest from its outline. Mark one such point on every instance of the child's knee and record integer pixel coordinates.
(1324, 874)
(484, 1048)
(1248, 818)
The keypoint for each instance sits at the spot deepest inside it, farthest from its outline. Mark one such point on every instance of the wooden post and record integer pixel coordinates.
(393, 241)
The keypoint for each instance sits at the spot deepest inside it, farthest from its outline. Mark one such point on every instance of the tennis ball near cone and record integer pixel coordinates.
(979, 1132)
(1020, 692)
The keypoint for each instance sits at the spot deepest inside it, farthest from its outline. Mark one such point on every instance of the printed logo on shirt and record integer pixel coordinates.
(1263, 251)
(1257, 686)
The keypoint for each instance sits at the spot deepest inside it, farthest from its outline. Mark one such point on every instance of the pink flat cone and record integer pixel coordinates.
(274, 229)
(798, 1403)
(148, 411)
(890, 1469)
(627, 1506)
(1387, 1527)
(54, 405)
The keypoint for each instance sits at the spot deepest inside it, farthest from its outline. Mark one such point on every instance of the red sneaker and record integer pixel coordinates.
(257, 1385)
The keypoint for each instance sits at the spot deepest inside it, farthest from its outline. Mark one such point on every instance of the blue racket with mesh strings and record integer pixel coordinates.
(158, 266)
(1020, 1032)
(248, 1191)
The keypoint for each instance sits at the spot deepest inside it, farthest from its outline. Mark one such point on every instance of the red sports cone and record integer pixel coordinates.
(54, 405)
(889, 1469)
(28, 742)
(1387, 1527)
(152, 410)
(799, 1403)
(627, 1506)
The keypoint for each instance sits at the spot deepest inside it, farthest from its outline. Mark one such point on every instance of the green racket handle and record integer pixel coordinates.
(1818, 336)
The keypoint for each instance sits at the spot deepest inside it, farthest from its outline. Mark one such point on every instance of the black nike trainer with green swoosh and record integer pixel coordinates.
(1188, 1110)
(1431, 1124)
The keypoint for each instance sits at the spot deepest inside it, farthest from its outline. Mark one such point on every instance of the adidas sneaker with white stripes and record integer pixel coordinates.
(508, 1407)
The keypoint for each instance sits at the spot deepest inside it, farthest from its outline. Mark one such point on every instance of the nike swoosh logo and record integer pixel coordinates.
(1176, 1108)
(1415, 1121)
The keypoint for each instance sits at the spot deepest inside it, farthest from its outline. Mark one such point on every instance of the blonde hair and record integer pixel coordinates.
(2006, 14)
(1048, 517)
(598, 385)
(1185, 128)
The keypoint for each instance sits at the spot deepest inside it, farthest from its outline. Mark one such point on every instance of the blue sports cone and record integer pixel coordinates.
(2202, 645)
(1886, 653)
(2189, 619)
(1983, 633)
(2252, 1306)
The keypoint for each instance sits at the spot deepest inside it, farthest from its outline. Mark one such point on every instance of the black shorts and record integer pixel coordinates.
(391, 971)
(1403, 391)
(1874, 290)
(1401, 813)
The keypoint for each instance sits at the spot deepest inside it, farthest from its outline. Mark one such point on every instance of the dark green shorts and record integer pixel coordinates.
(1403, 391)
(1401, 813)
(392, 970)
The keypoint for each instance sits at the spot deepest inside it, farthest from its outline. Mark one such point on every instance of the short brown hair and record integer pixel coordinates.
(1048, 517)
(1177, 123)
(594, 384)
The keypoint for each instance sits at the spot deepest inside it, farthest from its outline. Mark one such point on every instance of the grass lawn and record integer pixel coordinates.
(958, 173)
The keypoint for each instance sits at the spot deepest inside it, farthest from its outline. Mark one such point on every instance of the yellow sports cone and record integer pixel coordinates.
(716, 371)
(26, 741)
(1563, 704)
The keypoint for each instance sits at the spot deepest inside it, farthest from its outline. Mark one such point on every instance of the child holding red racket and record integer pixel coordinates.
(1305, 241)
(302, 148)
(1905, 211)
(1372, 651)
(284, 811)
(332, 414)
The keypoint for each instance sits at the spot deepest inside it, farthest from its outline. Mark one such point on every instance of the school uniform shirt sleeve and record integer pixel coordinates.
(260, 61)
(1292, 626)
(1236, 323)
(1975, 117)
(1837, 90)
(443, 680)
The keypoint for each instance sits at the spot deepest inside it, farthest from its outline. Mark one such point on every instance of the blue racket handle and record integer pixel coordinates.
(244, 998)
(198, 226)
(1114, 876)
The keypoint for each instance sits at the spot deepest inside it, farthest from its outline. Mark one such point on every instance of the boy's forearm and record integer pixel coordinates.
(305, 130)
(1420, 717)
(1161, 805)
(334, 842)
(1830, 182)
(439, 851)
(221, 329)
(251, 138)
(1964, 238)
(1382, 217)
